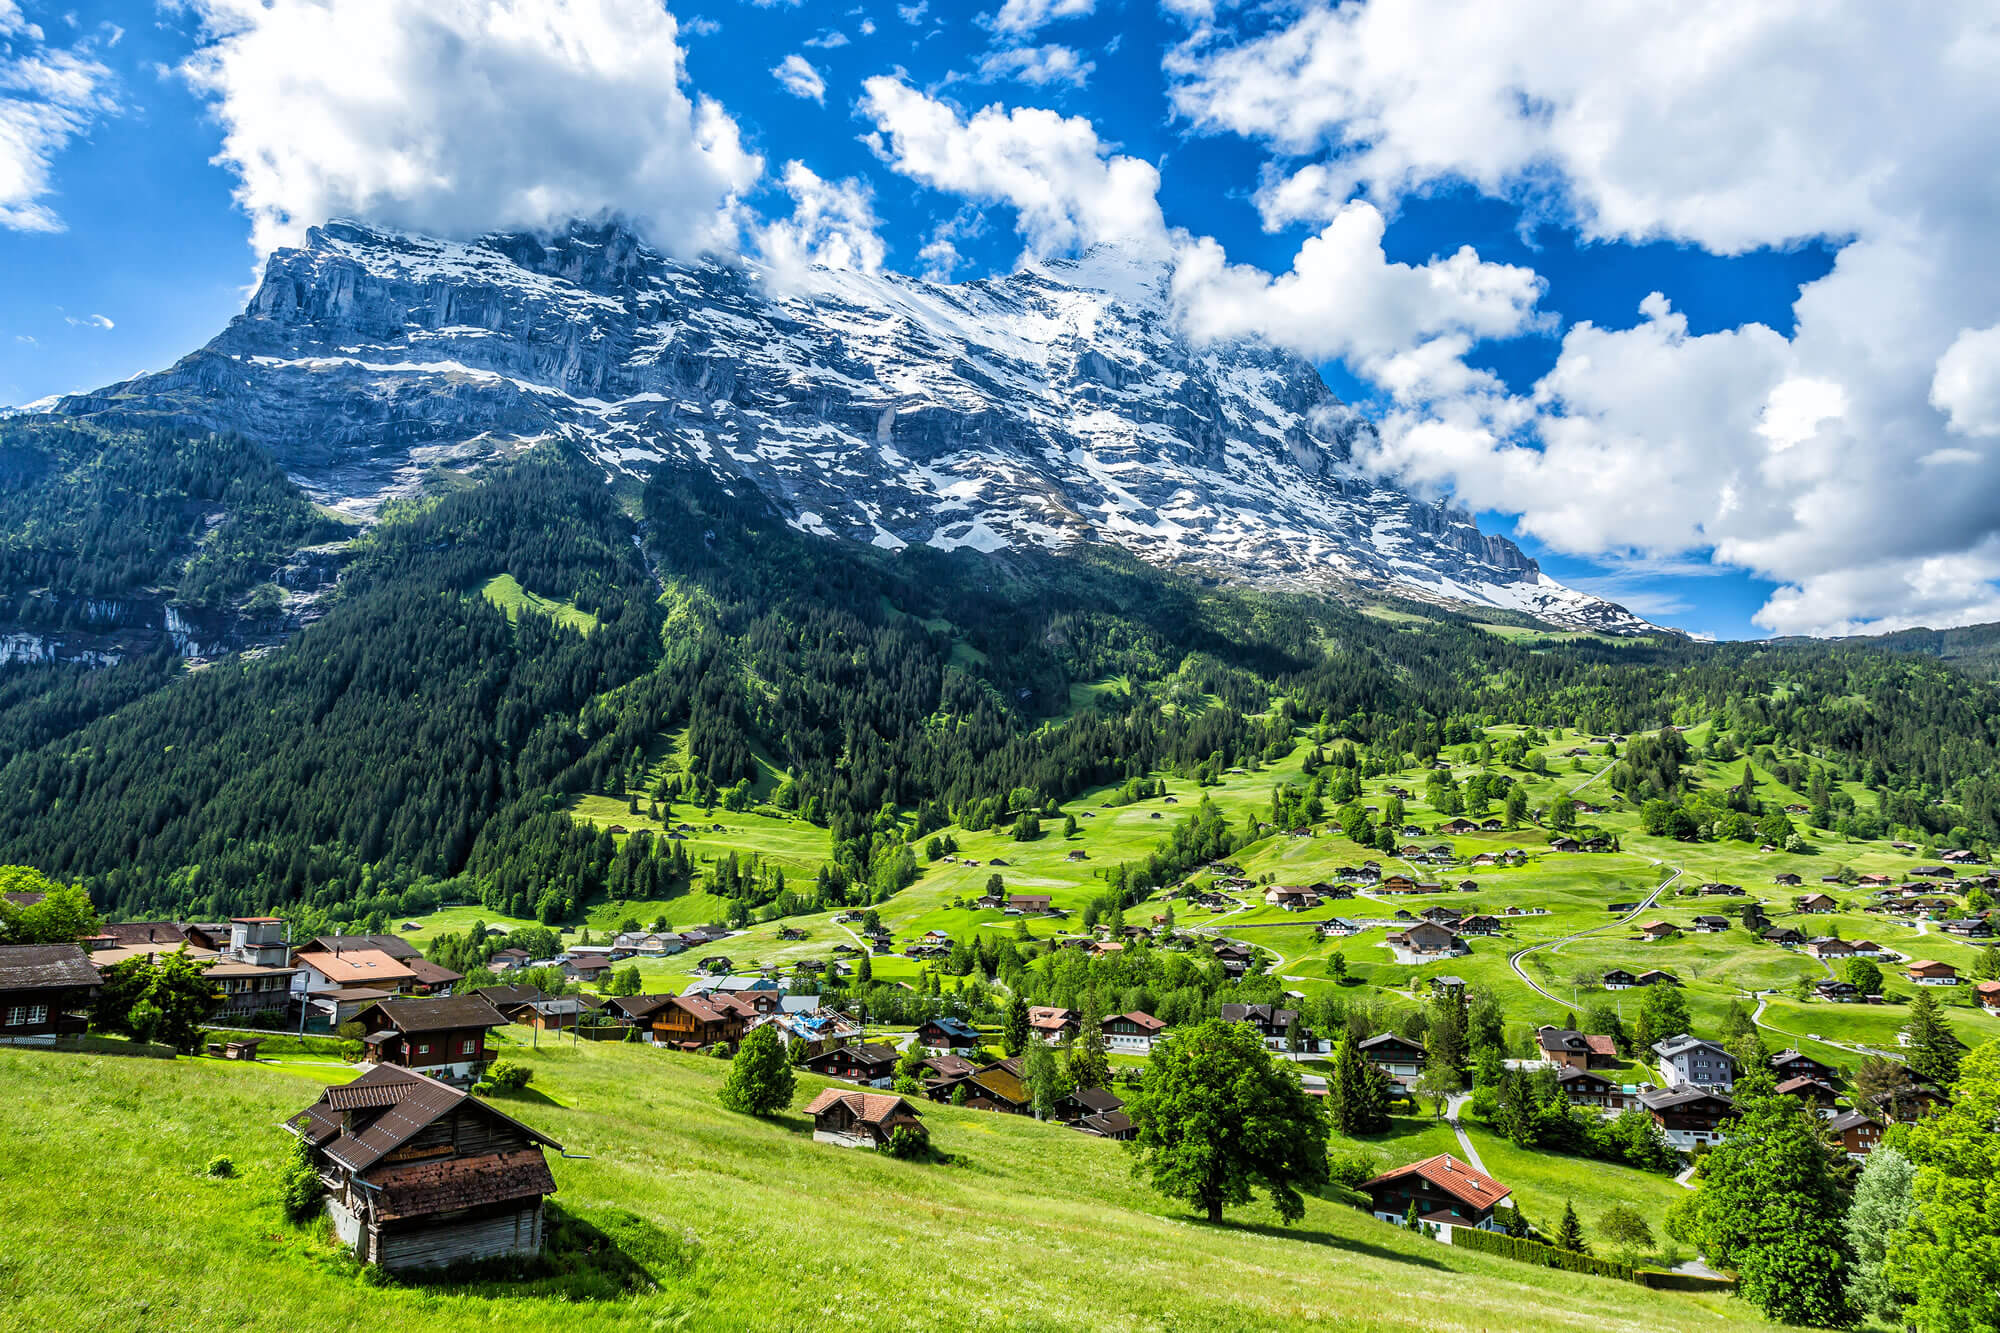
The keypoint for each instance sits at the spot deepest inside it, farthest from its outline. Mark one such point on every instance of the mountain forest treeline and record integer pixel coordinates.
(416, 743)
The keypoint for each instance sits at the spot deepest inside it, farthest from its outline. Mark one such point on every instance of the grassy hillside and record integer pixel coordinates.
(740, 1223)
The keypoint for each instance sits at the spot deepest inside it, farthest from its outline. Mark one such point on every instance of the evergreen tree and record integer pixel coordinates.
(1933, 1050)
(1357, 1102)
(1014, 1036)
(1569, 1232)
(760, 1079)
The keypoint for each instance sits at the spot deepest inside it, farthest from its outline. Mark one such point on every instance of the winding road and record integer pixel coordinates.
(1514, 959)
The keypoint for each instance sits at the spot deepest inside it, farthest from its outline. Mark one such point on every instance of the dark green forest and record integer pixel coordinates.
(414, 744)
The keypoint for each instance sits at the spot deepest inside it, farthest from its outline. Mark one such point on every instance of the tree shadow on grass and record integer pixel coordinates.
(530, 1096)
(1329, 1239)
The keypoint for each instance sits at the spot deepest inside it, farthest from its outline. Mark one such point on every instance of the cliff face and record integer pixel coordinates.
(1055, 406)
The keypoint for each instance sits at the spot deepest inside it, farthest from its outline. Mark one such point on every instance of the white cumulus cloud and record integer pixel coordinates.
(832, 225)
(1067, 188)
(1806, 456)
(460, 116)
(796, 76)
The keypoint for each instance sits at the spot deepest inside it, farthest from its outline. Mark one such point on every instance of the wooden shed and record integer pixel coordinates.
(421, 1175)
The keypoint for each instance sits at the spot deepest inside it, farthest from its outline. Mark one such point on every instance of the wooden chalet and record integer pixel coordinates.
(44, 991)
(856, 1119)
(1926, 972)
(1568, 1049)
(1401, 1059)
(1688, 1116)
(1135, 1032)
(1821, 1097)
(441, 1037)
(861, 1063)
(1618, 978)
(1795, 1064)
(1029, 902)
(940, 1035)
(995, 1087)
(420, 1175)
(1051, 1024)
(1270, 1021)
(1586, 1087)
(1448, 1194)
(1856, 1133)
(697, 1022)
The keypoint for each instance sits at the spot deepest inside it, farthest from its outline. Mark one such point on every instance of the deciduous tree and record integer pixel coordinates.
(1217, 1118)
(1947, 1254)
(760, 1079)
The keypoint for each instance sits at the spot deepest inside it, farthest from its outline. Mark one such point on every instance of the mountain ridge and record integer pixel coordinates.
(1054, 406)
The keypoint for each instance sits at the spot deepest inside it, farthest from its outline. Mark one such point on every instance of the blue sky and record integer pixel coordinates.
(1692, 470)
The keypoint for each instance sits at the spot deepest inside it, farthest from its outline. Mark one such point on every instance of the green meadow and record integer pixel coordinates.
(733, 1222)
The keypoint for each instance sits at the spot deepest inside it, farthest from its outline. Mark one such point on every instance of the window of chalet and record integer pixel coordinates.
(23, 1015)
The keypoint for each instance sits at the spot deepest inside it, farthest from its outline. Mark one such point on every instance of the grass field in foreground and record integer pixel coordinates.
(112, 1224)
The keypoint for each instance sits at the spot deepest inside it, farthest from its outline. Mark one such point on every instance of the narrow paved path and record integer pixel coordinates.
(1451, 1109)
(1514, 959)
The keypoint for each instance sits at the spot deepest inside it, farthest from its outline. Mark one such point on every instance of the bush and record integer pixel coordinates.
(908, 1144)
(1534, 1252)
(1350, 1170)
(298, 1185)
(221, 1168)
(507, 1076)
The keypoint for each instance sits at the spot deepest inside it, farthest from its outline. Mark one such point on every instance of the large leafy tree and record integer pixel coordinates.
(1217, 1117)
(63, 916)
(1772, 1207)
(1947, 1253)
(164, 1000)
(760, 1079)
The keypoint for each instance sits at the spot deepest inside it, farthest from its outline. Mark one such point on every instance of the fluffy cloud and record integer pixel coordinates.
(1037, 65)
(832, 225)
(48, 96)
(1966, 387)
(460, 116)
(1067, 188)
(1842, 460)
(1344, 299)
(796, 76)
(1022, 17)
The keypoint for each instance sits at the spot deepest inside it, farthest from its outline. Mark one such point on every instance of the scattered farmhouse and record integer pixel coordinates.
(420, 1175)
(1447, 1193)
(440, 1037)
(44, 989)
(855, 1119)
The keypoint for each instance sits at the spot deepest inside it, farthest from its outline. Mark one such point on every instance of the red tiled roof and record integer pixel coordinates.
(1471, 1187)
(874, 1108)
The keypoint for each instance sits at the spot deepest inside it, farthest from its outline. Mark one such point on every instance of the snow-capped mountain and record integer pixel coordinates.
(1055, 406)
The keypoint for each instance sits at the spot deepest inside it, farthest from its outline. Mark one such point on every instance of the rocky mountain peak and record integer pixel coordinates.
(1050, 407)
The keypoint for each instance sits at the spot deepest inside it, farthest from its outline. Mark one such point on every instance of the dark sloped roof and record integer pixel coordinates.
(436, 1012)
(44, 967)
(413, 1101)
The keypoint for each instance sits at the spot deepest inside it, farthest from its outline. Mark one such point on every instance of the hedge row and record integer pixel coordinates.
(1534, 1252)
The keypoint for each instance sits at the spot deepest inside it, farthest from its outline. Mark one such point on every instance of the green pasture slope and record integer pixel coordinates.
(113, 1224)
(1559, 896)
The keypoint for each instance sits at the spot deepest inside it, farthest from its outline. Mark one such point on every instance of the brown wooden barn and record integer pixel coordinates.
(421, 1175)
